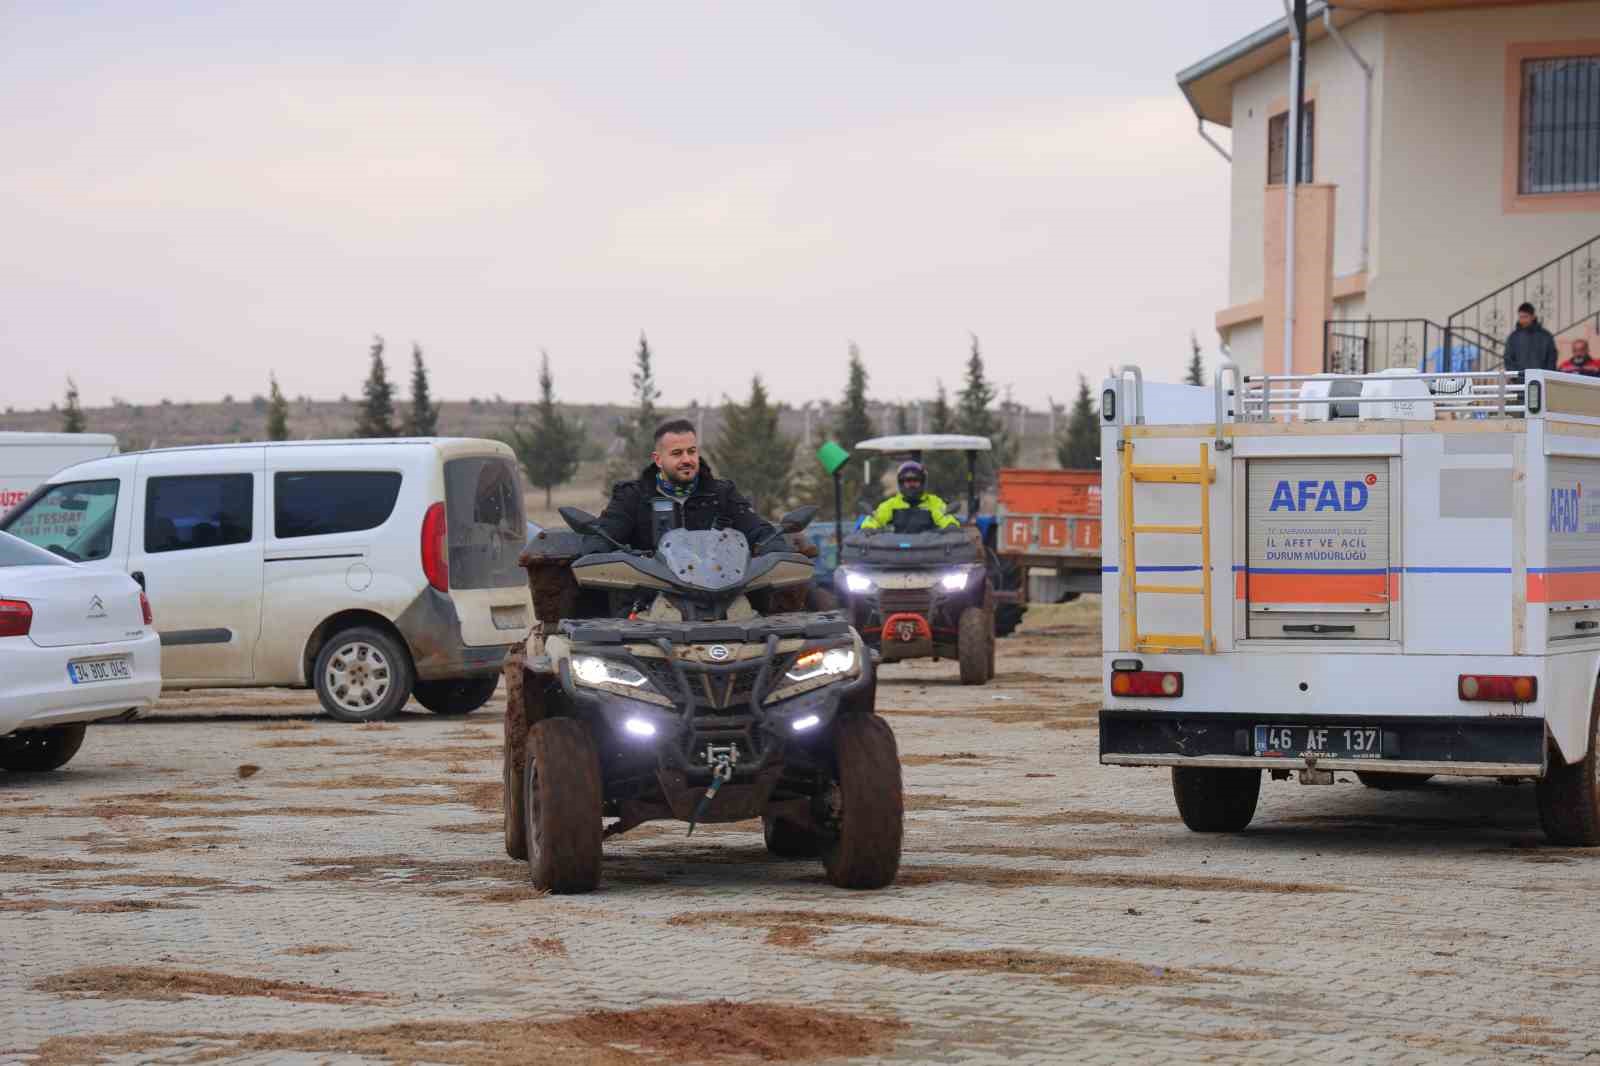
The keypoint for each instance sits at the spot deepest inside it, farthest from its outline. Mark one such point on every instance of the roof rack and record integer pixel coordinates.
(1473, 394)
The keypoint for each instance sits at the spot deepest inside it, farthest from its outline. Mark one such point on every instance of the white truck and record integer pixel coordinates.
(27, 459)
(1393, 574)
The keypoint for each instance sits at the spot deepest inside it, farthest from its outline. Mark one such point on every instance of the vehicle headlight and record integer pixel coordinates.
(954, 581)
(821, 663)
(857, 582)
(593, 670)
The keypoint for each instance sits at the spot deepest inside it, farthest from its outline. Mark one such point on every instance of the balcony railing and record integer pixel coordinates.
(1371, 345)
(1565, 292)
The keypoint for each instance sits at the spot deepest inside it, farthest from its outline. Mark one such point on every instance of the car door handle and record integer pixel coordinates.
(138, 575)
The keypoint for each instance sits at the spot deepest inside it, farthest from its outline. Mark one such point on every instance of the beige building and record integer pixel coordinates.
(1479, 167)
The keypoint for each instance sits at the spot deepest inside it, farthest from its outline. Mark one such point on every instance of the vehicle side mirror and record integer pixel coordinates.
(578, 521)
(798, 519)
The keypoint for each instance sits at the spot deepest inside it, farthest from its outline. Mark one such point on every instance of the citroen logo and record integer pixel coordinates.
(97, 608)
(718, 652)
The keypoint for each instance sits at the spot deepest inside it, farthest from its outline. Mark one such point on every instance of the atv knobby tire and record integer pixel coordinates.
(39, 750)
(1215, 800)
(866, 851)
(1393, 782)
(975, 646)
(562, 799)
(785, 840)
(514, 804)
(1569, 794)
(456, 695)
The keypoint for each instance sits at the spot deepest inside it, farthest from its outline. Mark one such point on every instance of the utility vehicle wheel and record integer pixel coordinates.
(975, 646)
(41, 749)
(561, 801)
(362, 675)
(1569, 795)
(871, 806)
(785, 840)
(514, 806)
(1007, 617)
(457, 695)
(1393, 782)
(1213, 800)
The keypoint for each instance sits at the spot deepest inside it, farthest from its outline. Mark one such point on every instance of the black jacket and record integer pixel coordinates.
(1532, 348)
(714, 504)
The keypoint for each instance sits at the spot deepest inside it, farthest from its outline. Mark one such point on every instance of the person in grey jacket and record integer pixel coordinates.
(1530, 346)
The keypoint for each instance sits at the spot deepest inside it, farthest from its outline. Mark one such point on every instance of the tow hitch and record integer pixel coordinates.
(722, 760)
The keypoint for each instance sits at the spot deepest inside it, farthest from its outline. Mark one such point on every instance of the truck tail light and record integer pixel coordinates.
(1164, 684)
(1498, 688)
(144, 607)
(16, 618)
(435, 558)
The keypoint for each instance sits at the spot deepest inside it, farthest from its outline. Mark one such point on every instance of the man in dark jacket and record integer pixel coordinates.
(699, 500)
(1530, 346)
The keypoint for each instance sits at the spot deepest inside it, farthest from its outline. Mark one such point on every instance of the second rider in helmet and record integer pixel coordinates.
(913, 509)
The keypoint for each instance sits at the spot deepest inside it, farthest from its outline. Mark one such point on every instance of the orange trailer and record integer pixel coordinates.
(1050, 520)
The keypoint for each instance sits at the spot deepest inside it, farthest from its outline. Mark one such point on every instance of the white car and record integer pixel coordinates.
(76, 645)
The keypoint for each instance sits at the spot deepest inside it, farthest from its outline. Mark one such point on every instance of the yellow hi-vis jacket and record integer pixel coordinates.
(883, 517)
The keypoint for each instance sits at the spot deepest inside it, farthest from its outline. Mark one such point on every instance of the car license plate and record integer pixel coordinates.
(509, 617)
(87, 671)
(1338, 742)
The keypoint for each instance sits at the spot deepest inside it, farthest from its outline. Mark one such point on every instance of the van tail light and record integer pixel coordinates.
(16, 618)
(1162, 684)
(1497, 688)
(144, 607)
(435, 558)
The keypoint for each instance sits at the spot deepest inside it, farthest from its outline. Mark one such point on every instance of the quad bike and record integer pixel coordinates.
(690, 684)
(915, 595)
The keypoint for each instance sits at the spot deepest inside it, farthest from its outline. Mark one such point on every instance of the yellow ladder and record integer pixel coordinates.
(1202, 475)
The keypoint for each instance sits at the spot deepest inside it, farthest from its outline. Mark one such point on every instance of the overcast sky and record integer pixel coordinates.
(194, 194)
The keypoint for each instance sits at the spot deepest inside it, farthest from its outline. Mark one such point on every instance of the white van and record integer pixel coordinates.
(27, 459)
(369, 570)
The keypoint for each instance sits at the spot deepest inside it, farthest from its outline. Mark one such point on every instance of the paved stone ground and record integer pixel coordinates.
(1049, 909)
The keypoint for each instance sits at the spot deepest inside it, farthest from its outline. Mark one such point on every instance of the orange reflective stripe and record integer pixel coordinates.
(1562, 588)
(1317, 588)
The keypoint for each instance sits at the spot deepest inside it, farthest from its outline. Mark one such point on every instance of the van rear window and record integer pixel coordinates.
(315, 503)
(486, 528)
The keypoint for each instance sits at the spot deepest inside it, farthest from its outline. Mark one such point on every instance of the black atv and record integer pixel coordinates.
(690, 684)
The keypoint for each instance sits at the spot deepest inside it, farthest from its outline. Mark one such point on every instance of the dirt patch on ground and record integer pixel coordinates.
(125, 844)
(1064, 969)
(273, 727)
(376, 727)
(1019, 851)
(148, 880)
(471, 734)
(33, 905)
(409, 870)
(157, 983)
(823, 920)
(717, 1031)
(457, 753)
(938, 801)
(549, 945)
(1081, 818)
(137, 798)
(375, 782)
(320, 742)
(471, 827)
(25, 864)
(954, 758)
(156, 810)
(308, 951)
(1001, 713)
(1010, 877)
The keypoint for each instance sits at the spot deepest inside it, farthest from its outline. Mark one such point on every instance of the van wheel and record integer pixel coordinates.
(785, 840)
(865, 853)
(456, 695)
(363, 675)
(561, 803)
(1393, 782)
(1215, 800)
(1569, 794)
(37, 750)
(975, 646)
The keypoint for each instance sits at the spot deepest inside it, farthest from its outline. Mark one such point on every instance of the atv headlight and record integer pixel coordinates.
(822, 663)
(857, 582)
(593, 670)
(954, 581)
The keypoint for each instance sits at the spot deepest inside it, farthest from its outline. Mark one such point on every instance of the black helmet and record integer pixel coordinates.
(915, 472)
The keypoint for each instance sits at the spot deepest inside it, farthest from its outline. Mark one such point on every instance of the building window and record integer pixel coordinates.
(1278, 146)
(1560, 146)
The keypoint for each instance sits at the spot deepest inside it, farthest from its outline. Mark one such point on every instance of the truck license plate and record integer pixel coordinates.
(1339, 742)
(87, 671)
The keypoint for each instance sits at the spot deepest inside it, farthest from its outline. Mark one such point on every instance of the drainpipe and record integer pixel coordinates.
(1291, 181)
(1366, 134)
(1200, 124)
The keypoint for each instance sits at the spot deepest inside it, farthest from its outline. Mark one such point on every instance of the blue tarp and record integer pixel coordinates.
(1464, 358)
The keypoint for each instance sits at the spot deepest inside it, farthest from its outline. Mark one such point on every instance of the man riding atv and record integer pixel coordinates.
(912, 510)
(678, 490)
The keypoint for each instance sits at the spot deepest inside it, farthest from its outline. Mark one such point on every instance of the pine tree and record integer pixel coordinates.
(377, 409)
(277, 411)
(72, 420)
(753, 452)
(637, 429)
(1197, 367)
(947, 471)
(975, 417)
(552, 448)
(1078, 447)
(853, 425)
(424, 420)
